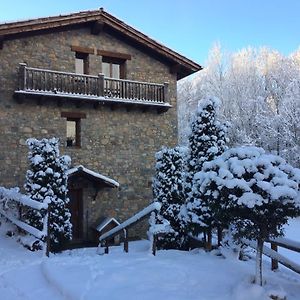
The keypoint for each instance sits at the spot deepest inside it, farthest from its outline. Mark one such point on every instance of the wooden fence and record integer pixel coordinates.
(275, 256)
(123, 227)
(13, 195)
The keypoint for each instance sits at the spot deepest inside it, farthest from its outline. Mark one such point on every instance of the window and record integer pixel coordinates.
(73, 128)
(81, 63)
(73, 132)
(113, 67)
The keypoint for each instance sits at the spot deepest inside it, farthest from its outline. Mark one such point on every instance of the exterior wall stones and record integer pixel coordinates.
(117, 143)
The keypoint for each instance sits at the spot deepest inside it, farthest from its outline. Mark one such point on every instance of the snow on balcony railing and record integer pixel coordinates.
(57, 83)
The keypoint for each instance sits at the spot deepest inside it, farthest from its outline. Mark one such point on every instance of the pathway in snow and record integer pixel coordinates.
(20, 273)
(81, 274)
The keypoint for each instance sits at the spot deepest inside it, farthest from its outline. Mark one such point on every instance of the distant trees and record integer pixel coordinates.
(46, 180)
(260, 94)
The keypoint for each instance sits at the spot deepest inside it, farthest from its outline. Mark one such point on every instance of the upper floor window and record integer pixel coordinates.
(81, 63)
(113, 67)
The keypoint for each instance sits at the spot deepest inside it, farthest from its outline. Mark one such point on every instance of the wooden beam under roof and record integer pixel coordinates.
(97, 27)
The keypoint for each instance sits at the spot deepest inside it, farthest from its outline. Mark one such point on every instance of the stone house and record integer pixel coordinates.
(106, 90)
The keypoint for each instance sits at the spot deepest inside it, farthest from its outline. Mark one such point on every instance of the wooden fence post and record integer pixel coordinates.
(106, 250)
(101, 84)
(154, 244)
(126, 241)
(274, 262)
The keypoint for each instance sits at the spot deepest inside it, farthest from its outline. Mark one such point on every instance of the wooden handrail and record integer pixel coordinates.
(51, 82)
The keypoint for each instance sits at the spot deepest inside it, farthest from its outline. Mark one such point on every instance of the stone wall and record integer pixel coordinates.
(117, 143)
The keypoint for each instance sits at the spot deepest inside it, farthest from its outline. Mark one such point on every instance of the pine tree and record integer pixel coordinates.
(206, 142)
(208, 136)
(47, 181)
(168, 190)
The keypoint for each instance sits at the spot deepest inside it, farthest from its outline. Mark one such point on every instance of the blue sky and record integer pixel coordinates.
(190, 27)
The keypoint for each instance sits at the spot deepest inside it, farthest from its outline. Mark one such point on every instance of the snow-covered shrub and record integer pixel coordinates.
(206, 142)
(168, 190)
(257, 192)
(46, 180)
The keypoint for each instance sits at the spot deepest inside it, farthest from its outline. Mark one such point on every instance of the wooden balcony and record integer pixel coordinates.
(42, 83)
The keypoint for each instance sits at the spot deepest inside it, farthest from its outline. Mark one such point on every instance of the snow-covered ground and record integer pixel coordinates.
(82, 274)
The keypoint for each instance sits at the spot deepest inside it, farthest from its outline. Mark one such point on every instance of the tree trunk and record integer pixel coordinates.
(259, 252)
(208, 244)
(220, 235)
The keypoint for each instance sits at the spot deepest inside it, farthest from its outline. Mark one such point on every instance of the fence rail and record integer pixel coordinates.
(66, 83)
(8, 195)
(123, 227)
(275, 256)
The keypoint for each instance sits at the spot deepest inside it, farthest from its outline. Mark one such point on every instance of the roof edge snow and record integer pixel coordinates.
(80, 169)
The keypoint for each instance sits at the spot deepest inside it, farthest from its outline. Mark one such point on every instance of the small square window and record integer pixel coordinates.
(72, 133)
(73, 128)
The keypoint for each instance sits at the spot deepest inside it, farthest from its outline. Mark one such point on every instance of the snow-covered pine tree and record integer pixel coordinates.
(46, 180)
(208, 137)
(168, 190)
(257, 192)
(206, 142)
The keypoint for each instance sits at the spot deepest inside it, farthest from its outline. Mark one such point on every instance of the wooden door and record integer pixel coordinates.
(76, 210)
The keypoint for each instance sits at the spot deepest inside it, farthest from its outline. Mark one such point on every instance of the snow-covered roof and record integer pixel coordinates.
(105, 222)
(81, 170)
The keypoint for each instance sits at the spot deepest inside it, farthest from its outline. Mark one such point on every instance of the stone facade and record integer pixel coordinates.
(117, 143)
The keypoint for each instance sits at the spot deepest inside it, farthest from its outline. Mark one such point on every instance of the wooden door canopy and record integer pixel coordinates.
(98, 179)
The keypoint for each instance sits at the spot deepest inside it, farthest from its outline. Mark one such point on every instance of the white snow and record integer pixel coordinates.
(95, 174)
(177, 275)
(170, 275)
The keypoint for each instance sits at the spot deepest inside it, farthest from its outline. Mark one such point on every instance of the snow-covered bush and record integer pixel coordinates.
(47, 181)
(168, 190)
(206, 142)
(257, 192)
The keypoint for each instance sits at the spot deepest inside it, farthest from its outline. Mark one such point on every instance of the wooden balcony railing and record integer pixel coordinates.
(56, 83)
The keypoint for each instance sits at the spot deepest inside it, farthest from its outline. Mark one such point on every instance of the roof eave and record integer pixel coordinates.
(9, 29)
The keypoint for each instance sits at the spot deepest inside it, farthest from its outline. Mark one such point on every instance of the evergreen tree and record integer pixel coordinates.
(168, 190)
(255, 191)
(208, 137)
(47, 181)
(206, 142)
